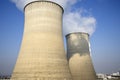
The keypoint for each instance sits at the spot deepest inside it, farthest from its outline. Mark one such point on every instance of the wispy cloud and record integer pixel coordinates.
(73, 21)
(21, 3)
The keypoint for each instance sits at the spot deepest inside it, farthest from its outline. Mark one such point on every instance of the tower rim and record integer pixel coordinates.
(77, 33)
(44, 1)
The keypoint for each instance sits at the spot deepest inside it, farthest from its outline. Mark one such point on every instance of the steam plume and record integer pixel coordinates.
(21, 3)
(73, 21)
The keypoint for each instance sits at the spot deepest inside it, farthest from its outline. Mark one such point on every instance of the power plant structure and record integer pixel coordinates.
(78, 55)
(42, 55)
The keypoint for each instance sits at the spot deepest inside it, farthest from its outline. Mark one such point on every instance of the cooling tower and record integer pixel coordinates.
(42, 54)
(78, 55)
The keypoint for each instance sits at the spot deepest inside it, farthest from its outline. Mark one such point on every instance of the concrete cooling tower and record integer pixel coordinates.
(42, 54)
(78, 55)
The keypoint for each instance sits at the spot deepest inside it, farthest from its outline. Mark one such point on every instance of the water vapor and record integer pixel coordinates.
(76, 22)
(21, 3)
(73, 21)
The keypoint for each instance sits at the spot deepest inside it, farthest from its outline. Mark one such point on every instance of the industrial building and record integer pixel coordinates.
(42, 55)
(78, 54)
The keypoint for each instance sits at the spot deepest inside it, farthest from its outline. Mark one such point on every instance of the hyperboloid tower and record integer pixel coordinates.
(42, 54)
(78, 54)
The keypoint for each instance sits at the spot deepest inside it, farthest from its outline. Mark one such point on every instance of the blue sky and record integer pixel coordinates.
(105, 41)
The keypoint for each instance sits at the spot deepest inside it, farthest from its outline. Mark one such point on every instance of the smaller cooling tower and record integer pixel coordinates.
(78, 55)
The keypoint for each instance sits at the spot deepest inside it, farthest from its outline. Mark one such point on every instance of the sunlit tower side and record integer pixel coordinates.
(42, 54)
(78, 54)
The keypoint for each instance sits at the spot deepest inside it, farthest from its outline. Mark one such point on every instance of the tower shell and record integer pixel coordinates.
(42, 54)
(79, 58)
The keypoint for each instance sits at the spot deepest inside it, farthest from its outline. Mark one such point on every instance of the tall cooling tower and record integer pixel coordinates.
(42, 55)
(78, 55)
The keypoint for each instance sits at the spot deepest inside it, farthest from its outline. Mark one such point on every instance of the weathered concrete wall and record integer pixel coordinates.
(42, 55)
(78, 55)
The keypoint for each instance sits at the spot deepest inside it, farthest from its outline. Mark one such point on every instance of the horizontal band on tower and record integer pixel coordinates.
(45, 1)
(77, 33)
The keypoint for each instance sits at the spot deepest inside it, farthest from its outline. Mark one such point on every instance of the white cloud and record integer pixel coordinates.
(75, 22)
(21, 3)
